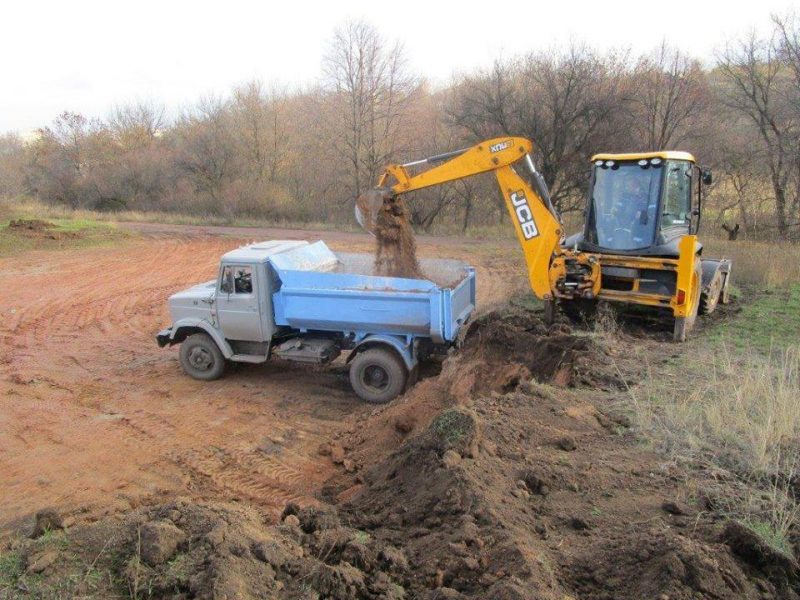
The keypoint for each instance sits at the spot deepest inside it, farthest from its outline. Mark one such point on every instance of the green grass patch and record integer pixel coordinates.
(11, 569)
(451, 426)
(768, 323)
(57, 234)
(772, 536)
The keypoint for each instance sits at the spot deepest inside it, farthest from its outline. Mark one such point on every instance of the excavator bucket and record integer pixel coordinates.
(368, 206)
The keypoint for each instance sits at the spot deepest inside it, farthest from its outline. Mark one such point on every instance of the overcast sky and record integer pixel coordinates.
(87, 56)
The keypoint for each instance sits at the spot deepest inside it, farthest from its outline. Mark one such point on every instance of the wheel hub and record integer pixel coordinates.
(376, 377)
(200, 359)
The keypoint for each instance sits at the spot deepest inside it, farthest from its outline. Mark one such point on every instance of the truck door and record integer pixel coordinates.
(237, 303)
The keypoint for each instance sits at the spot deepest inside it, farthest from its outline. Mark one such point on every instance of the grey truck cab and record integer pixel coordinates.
(299, 301)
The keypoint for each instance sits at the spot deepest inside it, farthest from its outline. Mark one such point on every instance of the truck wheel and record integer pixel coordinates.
(201, 357)
(377, 375)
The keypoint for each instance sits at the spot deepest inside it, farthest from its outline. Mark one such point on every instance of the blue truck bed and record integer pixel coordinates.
(320, 290)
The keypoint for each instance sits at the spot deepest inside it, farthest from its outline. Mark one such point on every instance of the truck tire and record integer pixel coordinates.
(378, 375)
(201, 357)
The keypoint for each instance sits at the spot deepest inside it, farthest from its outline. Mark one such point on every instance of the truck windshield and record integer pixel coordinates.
(624, 202)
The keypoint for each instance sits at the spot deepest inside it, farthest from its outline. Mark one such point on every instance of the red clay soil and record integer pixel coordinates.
(95, 418)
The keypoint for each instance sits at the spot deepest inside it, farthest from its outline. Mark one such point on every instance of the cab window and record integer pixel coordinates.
(236, 280)
(677, 194)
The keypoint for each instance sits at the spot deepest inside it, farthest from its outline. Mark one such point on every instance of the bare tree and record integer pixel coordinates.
(369, 80)
(565, 102)
(759, 84)
(788, 30)
(206, 150)
(62, 159)
(12, 163)
(263, 131)
(669, 97)
(137, 125)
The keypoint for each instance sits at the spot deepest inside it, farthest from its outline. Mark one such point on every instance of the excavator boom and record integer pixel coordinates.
(535, 221)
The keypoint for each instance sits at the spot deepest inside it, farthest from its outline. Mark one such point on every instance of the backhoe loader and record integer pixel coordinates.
(639, 241)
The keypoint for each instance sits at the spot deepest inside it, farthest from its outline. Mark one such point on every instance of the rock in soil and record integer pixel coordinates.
(40, 562)
(567, 443)
(159, 540)
(47, 519)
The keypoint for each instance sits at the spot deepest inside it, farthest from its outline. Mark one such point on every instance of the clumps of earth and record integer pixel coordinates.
(514, 486)
(388, 219)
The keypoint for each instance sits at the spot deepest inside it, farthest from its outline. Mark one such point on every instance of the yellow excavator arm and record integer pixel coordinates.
(553, 272)
(556, 273)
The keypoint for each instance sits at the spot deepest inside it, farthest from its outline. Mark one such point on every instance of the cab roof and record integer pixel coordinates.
(663, 154)
(261, 251)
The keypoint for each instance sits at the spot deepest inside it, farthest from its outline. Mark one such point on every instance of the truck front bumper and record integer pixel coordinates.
(164, 337)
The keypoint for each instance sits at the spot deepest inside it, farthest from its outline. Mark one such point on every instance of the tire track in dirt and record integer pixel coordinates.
(91, 410)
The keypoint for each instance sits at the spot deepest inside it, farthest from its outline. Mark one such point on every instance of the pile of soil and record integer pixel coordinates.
(487, 502)
(30, 224)
(396, 248)
(38, 229)
(510, 475)
(500, 351)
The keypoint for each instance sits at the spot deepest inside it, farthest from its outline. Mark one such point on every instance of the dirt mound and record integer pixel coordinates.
(479, 483)
(485, 502)
(505, 347)
(30, 224)
(665, 565)
(186, 550)
(36, 228)
(387, 218)
(501, 351)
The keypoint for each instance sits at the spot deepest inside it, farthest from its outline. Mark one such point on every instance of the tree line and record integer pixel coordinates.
(303, 155)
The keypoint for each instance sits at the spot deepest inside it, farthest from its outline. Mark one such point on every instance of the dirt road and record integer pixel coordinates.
(94, 415)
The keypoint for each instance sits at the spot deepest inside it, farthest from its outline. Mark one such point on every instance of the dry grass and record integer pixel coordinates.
(736, 414)
(28, 208)
(735, 411)
(729, 401)
(759, 264)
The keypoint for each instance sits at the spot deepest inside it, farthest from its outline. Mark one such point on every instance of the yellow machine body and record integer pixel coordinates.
(555, 273)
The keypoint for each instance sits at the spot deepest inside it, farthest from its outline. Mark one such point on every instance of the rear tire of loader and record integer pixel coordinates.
(378, 375)
(709, 297)
(201, 358)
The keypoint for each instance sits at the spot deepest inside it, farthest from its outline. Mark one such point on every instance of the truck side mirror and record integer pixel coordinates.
(706, 177)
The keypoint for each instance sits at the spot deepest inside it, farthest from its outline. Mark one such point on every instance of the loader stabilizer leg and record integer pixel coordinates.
(686, 301)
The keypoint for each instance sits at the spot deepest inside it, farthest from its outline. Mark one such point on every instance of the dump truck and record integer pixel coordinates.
(298, 301)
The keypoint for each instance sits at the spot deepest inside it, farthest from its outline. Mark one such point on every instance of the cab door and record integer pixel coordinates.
(237, 303)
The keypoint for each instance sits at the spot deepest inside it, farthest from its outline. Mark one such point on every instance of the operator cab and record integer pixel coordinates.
(640, 204)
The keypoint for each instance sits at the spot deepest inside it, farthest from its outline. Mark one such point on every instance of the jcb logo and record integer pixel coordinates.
(524, 215)
(499, 146)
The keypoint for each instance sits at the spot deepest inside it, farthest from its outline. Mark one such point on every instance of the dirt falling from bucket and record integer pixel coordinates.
(396, 249)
